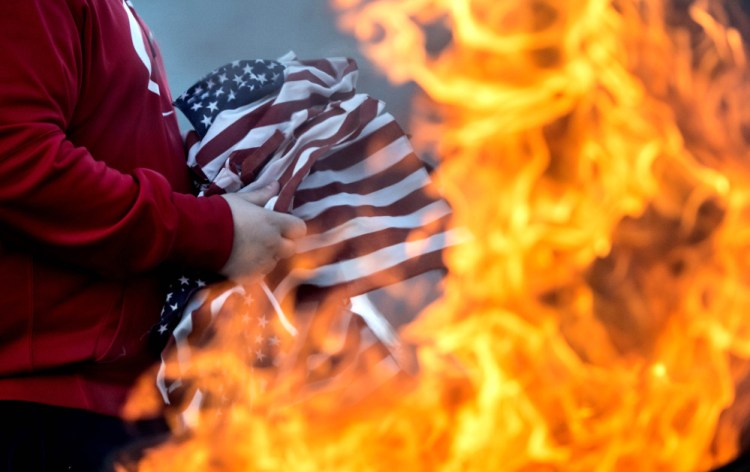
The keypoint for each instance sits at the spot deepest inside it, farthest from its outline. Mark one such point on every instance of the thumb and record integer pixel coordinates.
(260, 196)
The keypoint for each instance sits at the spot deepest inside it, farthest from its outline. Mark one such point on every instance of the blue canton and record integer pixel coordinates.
(230, 86)
(179, 293)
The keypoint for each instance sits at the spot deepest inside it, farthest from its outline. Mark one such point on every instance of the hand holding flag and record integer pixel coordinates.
(261, 237)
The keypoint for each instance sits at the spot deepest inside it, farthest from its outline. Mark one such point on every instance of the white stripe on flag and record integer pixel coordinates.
(379, 198)
(365, 225)
(185, 327)
(349, 270)
(377, 162)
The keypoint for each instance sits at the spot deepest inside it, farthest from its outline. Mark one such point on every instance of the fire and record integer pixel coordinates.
(595, 150)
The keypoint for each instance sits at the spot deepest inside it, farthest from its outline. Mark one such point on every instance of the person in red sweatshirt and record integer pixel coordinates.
(96, 216)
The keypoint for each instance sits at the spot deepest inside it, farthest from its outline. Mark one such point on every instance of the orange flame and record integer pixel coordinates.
(595, 150)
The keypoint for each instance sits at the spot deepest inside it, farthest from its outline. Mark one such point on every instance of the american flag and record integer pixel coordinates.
(346, 168)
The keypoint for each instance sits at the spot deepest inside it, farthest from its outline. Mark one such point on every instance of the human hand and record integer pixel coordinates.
(261, 237)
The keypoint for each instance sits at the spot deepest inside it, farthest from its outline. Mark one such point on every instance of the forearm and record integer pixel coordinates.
(67, 205)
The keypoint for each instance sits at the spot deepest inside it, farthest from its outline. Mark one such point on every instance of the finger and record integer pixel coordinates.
(290, 226)
(261, 196)
(286, 249)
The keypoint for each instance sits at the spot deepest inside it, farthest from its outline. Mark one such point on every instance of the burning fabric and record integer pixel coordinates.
(347, 169)
(596, 150)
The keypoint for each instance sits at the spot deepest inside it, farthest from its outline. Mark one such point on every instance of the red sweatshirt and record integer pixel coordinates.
(94, 204)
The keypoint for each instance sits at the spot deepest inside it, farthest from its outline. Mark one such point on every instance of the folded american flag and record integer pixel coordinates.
(346, 168)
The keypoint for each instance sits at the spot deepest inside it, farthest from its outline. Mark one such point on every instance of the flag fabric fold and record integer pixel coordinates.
(346, 168)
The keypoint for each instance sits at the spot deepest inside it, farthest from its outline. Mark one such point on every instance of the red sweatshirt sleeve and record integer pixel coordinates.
(54, 194)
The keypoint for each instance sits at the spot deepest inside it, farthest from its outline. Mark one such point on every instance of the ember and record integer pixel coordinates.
(595, 150)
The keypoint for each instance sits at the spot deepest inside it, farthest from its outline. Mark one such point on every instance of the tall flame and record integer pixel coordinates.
(595, 150)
